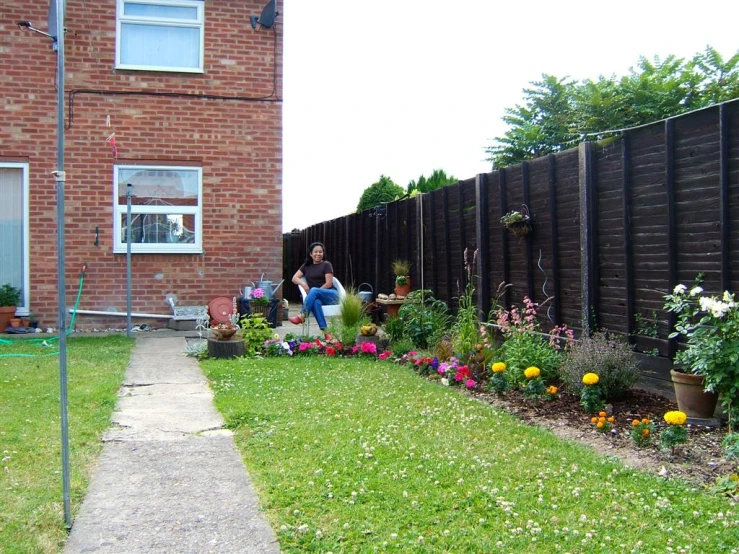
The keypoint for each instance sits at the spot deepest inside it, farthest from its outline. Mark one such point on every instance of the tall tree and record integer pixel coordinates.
(541, 126)
(436, 180)
(384, 190)
(558, 113)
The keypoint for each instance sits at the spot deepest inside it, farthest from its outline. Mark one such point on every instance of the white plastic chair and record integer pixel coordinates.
(330, 310)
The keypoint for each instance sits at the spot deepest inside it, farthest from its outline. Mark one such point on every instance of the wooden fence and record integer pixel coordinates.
(616, 224)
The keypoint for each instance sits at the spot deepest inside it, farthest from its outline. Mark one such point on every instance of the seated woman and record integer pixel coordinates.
(318, 284)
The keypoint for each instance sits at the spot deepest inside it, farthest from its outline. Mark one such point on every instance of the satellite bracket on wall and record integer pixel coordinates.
(267, 19)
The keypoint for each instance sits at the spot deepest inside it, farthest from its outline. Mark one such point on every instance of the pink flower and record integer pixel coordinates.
(369, 348)
(470, 383)
(304, 346)
(385, 355)
(257, 293)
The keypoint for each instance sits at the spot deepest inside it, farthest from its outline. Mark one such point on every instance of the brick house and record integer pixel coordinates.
(178, 101)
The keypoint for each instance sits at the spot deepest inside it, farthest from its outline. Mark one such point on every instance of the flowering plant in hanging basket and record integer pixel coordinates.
(518, 223)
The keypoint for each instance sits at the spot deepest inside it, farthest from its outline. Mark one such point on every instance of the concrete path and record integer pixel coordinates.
(169, 478)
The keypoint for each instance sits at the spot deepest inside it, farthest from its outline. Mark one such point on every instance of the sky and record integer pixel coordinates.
(403, 87)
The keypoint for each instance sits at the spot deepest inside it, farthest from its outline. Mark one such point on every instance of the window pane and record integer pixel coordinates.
(11, 227)
(161, 46)
(158, 187)
(155, 10)
(169, 228)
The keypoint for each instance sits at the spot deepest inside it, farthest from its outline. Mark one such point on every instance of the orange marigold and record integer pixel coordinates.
(635, 422)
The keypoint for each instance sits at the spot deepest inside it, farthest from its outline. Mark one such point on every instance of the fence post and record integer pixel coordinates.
(482, 234)
(554, 232)
(588, 240)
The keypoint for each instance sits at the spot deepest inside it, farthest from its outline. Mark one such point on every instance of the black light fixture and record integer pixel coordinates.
(267, 19)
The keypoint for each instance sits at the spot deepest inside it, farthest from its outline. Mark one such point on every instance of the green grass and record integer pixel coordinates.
(360, 456)
(31, 507)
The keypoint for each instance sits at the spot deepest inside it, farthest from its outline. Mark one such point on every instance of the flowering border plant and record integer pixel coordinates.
(710, 326)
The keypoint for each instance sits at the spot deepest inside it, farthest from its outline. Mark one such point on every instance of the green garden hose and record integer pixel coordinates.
(48, 340)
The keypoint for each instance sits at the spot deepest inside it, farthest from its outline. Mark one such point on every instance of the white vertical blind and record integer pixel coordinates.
(12, 260)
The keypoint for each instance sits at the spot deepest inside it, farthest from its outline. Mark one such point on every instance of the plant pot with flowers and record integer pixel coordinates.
(710, 327)
(259, 303)
(402, 270)
(10, 297)
(517, 223)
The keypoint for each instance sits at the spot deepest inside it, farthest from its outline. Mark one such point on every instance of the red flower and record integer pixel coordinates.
(330, 351)
(385, 355)
(463, 372)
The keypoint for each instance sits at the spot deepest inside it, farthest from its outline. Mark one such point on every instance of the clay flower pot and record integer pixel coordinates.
(691, 398)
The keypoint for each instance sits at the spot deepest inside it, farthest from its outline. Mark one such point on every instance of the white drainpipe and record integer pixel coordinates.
(121, 314)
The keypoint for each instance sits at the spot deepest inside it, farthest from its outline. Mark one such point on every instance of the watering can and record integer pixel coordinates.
(269, 289)
(365, 295)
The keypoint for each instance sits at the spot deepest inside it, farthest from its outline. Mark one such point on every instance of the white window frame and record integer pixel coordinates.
(26, 300)
(120, 212)
(122, 18)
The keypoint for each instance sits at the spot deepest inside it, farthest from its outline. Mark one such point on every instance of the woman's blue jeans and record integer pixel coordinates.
(314, 302)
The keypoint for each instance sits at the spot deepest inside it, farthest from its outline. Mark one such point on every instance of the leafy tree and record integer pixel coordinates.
(539, 127)
(436, 180)
(559, 113)
(384, 190)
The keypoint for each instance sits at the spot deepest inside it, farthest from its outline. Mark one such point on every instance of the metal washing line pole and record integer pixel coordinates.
(61, 285)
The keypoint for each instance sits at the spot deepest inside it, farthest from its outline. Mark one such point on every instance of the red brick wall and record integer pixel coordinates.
(238, 143)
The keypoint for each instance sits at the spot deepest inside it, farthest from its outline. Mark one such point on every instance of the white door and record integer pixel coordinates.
(14, 264)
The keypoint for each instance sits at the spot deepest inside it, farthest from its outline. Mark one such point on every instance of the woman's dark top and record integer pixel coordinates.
(315, 274)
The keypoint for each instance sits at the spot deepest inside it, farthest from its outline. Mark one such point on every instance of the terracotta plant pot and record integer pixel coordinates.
(403, 290)
(6, 314)
(692, 399)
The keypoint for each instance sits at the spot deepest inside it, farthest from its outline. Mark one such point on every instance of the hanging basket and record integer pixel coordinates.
(519, 228)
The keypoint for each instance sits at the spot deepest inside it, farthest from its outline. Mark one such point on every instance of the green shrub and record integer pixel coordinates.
(526, 349)
(424, 318)
(394, 329)
(403, 346)
(611, 358)
(256, 331)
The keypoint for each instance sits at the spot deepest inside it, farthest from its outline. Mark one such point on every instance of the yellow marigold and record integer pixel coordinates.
(590, 379)
(602, 414)
(593, 420)
(552, 389)
(532, 372)
(635, 422)
(611, 419)
(675, 418)
(498, 367)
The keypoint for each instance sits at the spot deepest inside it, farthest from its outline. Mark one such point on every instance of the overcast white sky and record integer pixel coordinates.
(404, 87)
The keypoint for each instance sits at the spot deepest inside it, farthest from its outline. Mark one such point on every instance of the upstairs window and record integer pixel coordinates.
(160, 35)
(165, 209)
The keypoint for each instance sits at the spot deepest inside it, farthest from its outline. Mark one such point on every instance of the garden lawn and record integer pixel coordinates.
(353, 455)
(31, 505)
